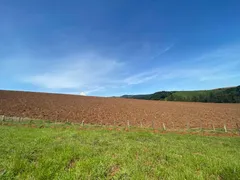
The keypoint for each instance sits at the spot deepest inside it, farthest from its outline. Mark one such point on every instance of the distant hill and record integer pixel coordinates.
(220, 95)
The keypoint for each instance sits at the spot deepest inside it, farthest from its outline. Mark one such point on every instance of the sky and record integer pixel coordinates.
(117, 47)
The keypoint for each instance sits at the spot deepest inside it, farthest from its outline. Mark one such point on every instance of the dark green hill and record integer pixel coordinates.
(221, 95)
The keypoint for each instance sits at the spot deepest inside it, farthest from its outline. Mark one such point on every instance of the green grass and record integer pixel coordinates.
(47, 153)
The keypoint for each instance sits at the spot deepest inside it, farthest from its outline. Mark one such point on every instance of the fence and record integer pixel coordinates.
(128, 125)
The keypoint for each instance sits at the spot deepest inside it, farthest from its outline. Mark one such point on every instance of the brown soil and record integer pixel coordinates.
(110, 111)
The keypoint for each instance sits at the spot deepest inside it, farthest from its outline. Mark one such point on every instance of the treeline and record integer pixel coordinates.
(223, 95)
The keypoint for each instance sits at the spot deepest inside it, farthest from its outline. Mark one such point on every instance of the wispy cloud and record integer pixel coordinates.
(162, 51)
(218, 65)
(140, 78)
(92, 73)
(215, 68)
(86, 73)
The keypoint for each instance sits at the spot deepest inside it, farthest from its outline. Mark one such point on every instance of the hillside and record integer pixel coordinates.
(221, 95)
(117, 111)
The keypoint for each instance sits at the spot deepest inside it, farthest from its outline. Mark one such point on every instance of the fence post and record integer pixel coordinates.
(173, 125)
(238, 128)
(141, 125)
(153, 124)
(201, 126)
(213, 127)
(225, 128)
(82, 123)
(164, 127)
(188, 126)
(114, 123)
(128, 123)
(2, 119)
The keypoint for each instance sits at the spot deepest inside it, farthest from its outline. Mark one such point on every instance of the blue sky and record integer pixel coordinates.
(116, 47)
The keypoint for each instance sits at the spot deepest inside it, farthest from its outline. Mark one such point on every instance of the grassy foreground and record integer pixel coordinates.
(47, 153)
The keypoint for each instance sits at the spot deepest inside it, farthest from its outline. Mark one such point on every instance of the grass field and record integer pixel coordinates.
(71, 153)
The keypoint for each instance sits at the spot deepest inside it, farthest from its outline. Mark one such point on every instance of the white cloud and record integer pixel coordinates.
(87, 72)
(82, 93)
(163, 51)
(91, 73)
(141, 77)
(54, 81)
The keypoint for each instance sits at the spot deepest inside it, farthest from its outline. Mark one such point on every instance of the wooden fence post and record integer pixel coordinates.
(82, 123)
(213, 127)
(128, 123)
(225, 128)
(141, 125)
(238, 128)
(173, 125)
(153, 124)
(2, 119)
(164, 127)
(188, 125)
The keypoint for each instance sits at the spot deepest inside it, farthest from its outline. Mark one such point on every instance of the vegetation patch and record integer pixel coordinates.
(221, 95)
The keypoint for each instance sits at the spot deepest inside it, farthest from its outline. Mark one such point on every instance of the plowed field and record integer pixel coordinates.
(110, 111)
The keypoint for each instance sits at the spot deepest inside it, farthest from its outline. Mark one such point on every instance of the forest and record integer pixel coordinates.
(221, 95)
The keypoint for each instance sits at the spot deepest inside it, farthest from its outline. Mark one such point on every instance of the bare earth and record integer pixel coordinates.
(97, 110)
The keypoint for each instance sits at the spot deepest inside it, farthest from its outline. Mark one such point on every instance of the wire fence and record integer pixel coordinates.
(25, 120)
